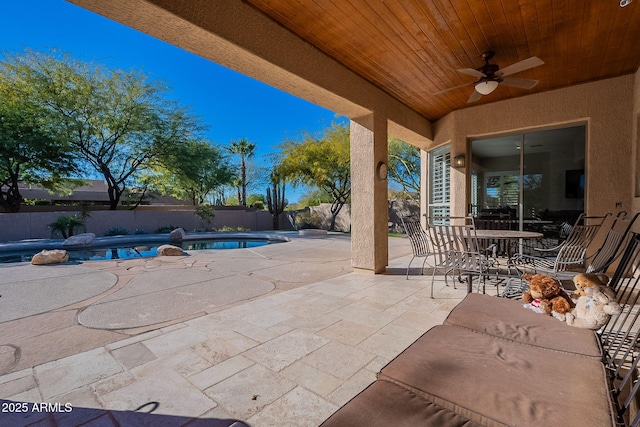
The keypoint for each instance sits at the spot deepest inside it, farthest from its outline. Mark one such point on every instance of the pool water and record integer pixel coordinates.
(131, 250)
(222, 244)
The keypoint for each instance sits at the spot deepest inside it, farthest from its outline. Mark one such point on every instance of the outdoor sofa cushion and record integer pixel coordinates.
(385, 404)
(508, 319)
(494, 381)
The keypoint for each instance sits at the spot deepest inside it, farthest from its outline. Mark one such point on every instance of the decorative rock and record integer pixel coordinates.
(55, 256)
(83, 239)
(170, 250)
(177, 235)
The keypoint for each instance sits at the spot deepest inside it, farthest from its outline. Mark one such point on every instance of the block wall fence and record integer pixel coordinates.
(33, 225)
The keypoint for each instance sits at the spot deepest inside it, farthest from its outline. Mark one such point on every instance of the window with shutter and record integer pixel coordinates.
(439, 182)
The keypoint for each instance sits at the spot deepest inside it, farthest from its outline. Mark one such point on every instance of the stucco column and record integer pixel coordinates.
(369, 208)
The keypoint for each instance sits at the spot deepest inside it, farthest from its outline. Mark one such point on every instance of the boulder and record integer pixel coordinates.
(55, 256)
(170, 250)
(177, 235)
(83, 239)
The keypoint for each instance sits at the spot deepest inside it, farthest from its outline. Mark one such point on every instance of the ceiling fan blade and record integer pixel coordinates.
(474, 96)
(523, 65)
(519, 83)
(452, 88)
(472, 72)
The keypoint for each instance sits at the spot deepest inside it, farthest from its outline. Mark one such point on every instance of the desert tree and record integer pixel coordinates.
(116, 121)
(321, 162)
(404, 166)
(29, 152)
(194, 172)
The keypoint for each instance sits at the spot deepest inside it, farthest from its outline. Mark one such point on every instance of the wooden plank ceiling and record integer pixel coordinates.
(412, 48)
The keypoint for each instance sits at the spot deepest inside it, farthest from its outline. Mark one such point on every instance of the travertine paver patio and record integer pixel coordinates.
(289, 357)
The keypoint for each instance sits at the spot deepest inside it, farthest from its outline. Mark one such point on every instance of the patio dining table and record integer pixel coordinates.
(507, 236)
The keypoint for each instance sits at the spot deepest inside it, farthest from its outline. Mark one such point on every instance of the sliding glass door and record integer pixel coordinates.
(530, 178)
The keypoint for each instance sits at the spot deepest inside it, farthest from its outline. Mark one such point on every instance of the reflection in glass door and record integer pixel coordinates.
(536, 176)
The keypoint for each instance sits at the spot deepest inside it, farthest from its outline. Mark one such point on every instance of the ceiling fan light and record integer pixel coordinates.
(486, 87)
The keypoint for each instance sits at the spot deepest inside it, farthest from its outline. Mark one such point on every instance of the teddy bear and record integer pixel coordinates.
(592, 310)
(584, 280)
(546, 296)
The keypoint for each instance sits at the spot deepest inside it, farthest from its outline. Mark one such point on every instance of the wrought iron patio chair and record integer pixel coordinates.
(459, 251)
(419, 239)
(494, 247)
(613, 244)
(441, 245)
(565, 260)
(620, 337)
(570, 255)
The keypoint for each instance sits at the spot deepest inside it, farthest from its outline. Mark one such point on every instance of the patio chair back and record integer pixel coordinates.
(465, 250)
(620, 337)
(495, 246)
(419, 239)
(449, 234)
(503, 222)
(613, 245)
(457, 244)
(569, 259)
(572, 252)
(441, 241)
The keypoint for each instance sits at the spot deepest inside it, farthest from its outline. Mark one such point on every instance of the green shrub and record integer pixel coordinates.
(65, 225)
(308, 219)
(228, 228)
(165, 229)
(116, 231)
(36, 202)
(206, 213)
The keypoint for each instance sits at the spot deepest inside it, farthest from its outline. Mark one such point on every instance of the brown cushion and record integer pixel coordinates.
(505, 318)
(494, 381)
(385, 404)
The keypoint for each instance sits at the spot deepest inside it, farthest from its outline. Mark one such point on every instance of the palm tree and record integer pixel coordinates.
(65, 225)
(245, 150)
(236, 183)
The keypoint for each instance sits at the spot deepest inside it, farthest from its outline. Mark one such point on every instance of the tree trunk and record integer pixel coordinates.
(144, 192)
(11, 199)
(335, 210)
(113, 190)
(243, 179)
(114, 196)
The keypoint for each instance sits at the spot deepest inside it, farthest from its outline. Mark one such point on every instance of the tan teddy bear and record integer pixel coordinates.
(584, 280)
(593, 310)
(546, 296)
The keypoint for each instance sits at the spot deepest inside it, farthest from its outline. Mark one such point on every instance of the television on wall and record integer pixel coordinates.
(574, 184)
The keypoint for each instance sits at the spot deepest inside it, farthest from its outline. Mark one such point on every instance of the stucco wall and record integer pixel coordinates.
(605, 107)
(33, 225)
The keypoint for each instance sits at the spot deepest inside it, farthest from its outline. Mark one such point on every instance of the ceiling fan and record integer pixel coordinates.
(490, 76)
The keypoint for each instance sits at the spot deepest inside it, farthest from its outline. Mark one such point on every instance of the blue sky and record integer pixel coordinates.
(232, 105)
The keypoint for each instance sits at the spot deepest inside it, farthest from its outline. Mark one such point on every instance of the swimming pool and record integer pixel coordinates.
(137, 246)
